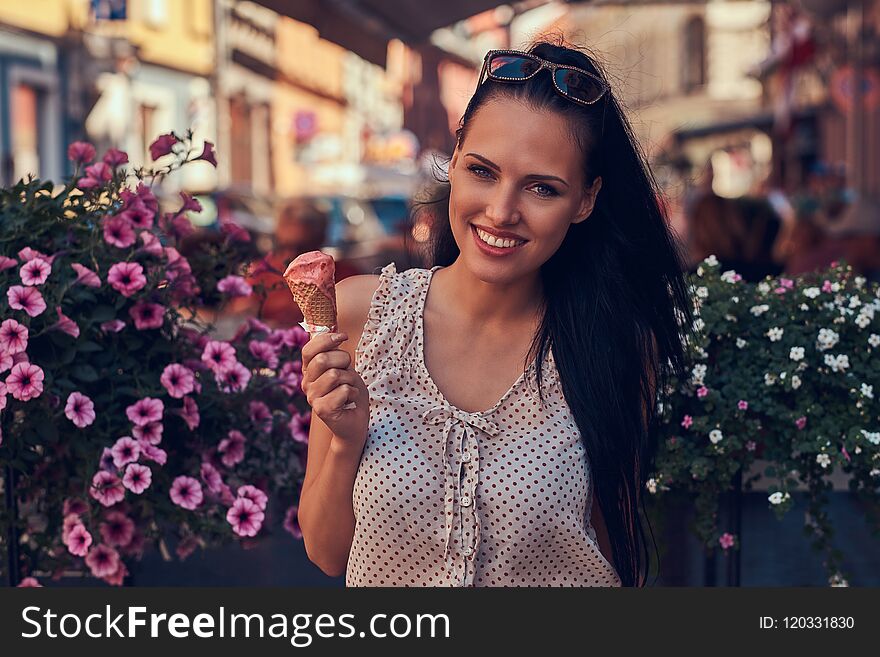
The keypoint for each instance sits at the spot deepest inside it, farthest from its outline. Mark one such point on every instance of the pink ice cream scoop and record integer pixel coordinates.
(311, 277)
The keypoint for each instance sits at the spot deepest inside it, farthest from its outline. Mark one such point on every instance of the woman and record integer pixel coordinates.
(445, 474)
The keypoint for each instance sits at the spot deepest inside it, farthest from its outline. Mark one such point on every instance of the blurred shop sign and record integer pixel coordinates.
(322, 148)
(391, 148)
(305, 125)
(108, 10)
(843, 88)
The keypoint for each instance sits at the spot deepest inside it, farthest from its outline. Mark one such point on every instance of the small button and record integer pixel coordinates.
(466, 500)
(466, 457)
(468, 551)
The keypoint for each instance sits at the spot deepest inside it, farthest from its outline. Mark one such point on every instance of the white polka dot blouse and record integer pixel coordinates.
(445, 497)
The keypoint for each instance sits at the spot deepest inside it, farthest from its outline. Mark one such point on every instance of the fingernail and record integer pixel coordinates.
(339, 337)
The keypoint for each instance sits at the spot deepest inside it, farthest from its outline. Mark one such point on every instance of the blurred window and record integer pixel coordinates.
(26, 121)
(694, 55)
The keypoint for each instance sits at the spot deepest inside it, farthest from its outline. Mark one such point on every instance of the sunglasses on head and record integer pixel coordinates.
(574, 83)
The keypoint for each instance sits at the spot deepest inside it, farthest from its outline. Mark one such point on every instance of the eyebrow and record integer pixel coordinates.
(541, 176)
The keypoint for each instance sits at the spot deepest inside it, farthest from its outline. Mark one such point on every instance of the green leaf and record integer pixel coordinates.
(85, 373)
(89, 347)
(103, 313)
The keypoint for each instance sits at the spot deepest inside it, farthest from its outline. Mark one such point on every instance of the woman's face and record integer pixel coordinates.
(517, 171)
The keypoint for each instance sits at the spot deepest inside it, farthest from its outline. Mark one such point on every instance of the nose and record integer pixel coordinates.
(503, 207)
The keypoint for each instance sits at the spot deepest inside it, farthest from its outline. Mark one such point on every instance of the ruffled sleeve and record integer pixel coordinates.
(365, 352)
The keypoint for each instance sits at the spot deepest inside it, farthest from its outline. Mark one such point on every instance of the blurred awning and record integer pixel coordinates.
(366, 26)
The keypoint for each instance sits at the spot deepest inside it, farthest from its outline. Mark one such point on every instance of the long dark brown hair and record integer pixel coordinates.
(616, 309)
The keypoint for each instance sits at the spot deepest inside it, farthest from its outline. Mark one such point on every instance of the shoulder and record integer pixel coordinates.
(353, 297)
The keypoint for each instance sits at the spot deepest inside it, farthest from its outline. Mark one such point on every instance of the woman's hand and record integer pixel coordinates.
(330, 382)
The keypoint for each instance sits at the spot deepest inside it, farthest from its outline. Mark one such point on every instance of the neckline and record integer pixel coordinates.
(420, 329)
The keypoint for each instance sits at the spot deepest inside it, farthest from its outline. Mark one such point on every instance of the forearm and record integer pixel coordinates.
(326, 514)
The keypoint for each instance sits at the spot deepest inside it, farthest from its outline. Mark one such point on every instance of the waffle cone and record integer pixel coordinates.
(316, 308)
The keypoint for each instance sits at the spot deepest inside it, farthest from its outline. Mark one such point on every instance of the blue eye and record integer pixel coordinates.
(480, 172)
(545, 190)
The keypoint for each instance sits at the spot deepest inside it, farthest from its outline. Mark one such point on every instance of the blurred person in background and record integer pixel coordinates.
(301, 227)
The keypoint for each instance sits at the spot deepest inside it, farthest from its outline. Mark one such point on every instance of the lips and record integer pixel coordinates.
(501, 234)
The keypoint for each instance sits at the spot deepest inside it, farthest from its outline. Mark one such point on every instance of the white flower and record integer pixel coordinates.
(867, 391)
(651, 485)
(775, 334)
(862, 320)
(795, 381)
(837, 580)
(699, 271)
(698, 373)
(812, 292)
(874, 340)
(740, 343)
(835, 287)
(804, 306)
(769, 379)
(796, 353)
(854, 302)
(859, 281)
(759, 310)
(699, 324)
(712, 261)
(729, 276)
(715, 436)
(783, 375)
(837, 363)
(702, 292)
(872, 436)
(763, 288)
(827, 339)
(823, 459)
(734, 299)
(875, 472)
(778, 497)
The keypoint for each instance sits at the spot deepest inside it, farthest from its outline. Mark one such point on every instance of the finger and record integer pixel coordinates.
(329, 380)
(336, 359)
(336, 400)
(320, 343)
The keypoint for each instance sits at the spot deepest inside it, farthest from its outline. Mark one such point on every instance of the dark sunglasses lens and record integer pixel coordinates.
(512, 66)
(577, 85)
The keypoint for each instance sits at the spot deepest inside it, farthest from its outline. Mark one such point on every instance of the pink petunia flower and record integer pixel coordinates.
(231, 448)
(119, 232)
(726, 540)
(233, 380)
(27, 299)
(234, 286)
(702, 391)
(126, 278)
(163, 145)
(35, 272)
(75, 505)
(137, 478)
(102, 560)
(186, 547)
(826, 286)
(189, 204)
(147, 315)
(65, 324)
(290, 376)
(291, 522)
(152, 245)
(106, 488)
(81, 152)
(96, 175)
(235, 233)
(742, 405)
(255, 495)
(78, 540)
(25, 381)
(801, 422)
(30, 583)
(85, 276)
(13, 337)
(261, 416)
(177, 380)
(245, 517)
(190, 413)
(687, 421)
(80, 409)
(106, 462)
(71, 520)
(149, 433)
(208, 154)
(211, 476)
(117, 577)
(139, 215)
(117, 530)
(114, 158)
(186, 492)
(845, 453)
(6, 362)
(7, 263)
(125, 450)
(299, 427)
(113, 326)
(153, 453)
(264, 352)
(145, 410)
(27, 253)
(219, 356)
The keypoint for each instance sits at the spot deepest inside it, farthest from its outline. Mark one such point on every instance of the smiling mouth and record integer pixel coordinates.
(496, 242)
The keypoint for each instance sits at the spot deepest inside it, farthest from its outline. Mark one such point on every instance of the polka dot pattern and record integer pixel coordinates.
(444, 497)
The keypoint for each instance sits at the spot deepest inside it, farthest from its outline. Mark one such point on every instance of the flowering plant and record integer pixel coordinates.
(783, 372)
(122, 422)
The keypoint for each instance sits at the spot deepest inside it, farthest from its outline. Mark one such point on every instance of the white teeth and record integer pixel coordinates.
(494, 241)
